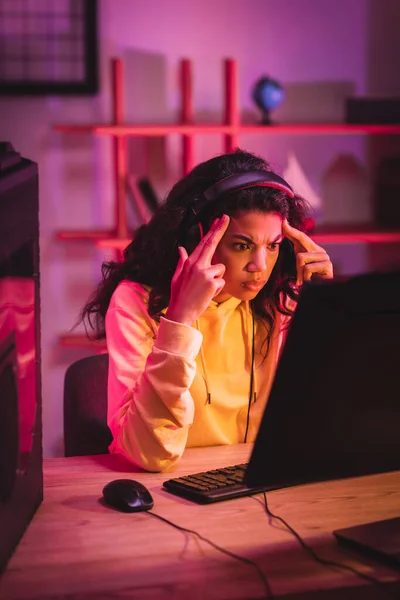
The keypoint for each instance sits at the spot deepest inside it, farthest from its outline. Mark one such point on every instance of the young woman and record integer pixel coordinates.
(195, 315)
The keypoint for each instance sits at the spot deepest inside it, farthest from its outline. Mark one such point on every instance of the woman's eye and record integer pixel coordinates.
(241, 247)
(274, 247)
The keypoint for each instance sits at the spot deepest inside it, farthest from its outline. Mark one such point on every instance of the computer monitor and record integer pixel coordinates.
(334, 407)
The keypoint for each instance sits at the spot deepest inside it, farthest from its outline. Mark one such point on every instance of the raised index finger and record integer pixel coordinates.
(300, 238)
(205, 249)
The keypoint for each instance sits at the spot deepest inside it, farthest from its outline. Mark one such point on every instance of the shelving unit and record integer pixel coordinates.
(231, 128)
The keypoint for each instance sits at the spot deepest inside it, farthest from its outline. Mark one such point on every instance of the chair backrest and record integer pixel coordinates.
(85, 407)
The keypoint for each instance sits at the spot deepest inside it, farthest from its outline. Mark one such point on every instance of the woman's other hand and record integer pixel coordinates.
(196, 280)
(311, 259)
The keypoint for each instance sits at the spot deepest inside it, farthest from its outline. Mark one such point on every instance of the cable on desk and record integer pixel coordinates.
(314, 555)
(243, 559)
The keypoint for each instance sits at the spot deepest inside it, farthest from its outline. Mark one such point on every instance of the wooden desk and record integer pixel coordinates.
(77, 548)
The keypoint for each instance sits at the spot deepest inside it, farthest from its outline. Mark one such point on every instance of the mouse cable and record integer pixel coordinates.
(314, 555)
(243, 559)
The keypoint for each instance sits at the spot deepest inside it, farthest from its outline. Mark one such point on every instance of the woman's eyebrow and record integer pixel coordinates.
(278, 238)
(249, 240)
(240, 236)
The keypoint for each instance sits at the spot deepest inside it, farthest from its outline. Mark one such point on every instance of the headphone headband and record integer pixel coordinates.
(236, 182)
(241, 181)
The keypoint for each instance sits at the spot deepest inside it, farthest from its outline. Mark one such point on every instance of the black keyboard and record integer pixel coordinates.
(213, 486)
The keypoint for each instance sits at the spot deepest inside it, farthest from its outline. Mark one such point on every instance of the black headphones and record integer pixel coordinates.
(241, 181)
(236, 182)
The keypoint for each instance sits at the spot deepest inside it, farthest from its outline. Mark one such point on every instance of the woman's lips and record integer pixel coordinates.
(254, 286)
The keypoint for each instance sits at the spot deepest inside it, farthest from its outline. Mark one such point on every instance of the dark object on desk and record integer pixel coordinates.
(379, 111)
(380, 540)
(343, 419)
(127, 495)
(85, 407)
(21, 479)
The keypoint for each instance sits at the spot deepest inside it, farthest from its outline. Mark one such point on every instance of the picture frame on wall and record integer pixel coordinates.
(48, 47)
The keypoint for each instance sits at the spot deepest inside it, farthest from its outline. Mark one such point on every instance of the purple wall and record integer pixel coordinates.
(321, 51)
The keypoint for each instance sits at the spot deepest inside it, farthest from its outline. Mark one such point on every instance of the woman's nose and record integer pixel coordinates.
(258, 262)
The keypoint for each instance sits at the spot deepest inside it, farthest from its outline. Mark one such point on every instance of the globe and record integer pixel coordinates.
(267, 94)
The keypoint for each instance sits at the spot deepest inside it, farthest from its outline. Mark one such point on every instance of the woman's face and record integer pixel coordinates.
(249, 251)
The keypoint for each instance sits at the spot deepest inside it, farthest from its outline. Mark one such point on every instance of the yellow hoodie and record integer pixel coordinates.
(171, 386)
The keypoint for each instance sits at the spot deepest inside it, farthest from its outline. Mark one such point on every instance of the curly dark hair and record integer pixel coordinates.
(151, 257)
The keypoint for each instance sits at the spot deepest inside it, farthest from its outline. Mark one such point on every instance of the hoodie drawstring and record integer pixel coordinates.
(251, 350)
(203, 365)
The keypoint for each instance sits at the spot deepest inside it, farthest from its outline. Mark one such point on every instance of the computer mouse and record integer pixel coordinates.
(127, 495)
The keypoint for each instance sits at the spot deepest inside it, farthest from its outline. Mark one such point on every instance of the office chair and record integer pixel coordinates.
(85, 407)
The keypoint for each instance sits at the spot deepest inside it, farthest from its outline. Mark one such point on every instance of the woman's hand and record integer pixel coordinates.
(311, 259)
(196, 281)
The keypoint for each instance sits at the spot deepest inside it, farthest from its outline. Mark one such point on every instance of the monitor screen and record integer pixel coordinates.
(334, 407)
